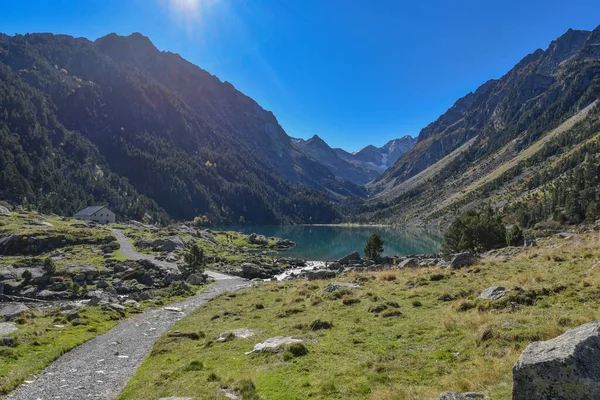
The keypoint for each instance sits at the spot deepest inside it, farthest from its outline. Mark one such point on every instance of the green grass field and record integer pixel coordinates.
(407, 334)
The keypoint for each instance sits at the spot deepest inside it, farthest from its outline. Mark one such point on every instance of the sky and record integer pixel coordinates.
(355, 72)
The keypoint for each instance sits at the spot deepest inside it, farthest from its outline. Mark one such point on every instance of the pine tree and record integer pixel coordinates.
(374, 247)
(194, 261)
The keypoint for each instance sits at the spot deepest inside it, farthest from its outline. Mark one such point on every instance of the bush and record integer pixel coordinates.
(297, 349)
(475, 231)
(27, 275)
(49, 266)
(514, 236)
(374, 247)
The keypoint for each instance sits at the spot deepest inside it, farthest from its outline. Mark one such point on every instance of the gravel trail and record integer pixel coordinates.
(101, 367)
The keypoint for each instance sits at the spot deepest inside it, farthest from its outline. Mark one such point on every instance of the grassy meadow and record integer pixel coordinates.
(404, 334)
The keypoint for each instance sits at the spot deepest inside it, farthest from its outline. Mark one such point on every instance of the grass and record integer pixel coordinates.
(408, 337)
(43, 338)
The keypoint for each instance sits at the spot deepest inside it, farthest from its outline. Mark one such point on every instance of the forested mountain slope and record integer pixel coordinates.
(516, 141)
(180, 136)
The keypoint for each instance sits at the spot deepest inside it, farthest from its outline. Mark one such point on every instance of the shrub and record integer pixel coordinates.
(297, 349)
(374, 247)
(195, 366)
(514, 236)
(317, 324)
(27, 275)
(49, 266)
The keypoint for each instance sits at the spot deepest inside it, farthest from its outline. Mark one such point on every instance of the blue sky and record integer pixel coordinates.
(355, 72)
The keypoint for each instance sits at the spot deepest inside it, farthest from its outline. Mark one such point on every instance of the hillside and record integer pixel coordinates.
(174, 137)
(360, 167)
(523, 142)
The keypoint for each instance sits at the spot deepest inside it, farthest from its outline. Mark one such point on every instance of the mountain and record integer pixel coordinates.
(386, 156)
(360, 167)
(171, 133)
(515, 142)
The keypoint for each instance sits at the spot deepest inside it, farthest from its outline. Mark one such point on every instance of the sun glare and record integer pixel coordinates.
(189, 12)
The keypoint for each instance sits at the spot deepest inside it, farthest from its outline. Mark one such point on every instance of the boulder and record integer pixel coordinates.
(8, 274)
(463, 260)
(257, 239)
(320, 274)
(493, 293)
(334, 286)
(462, 396)
(12, 311)
(274, 344)
(4, 212)
(564, 368)
(196, 279)
(251, 271)
(169, 244)
(6, 328)
(349, 259)
(243, 333)
(409, 263)
(39, 223)
(102, 284)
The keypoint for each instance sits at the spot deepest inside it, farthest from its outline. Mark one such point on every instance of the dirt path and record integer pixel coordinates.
(101, 367)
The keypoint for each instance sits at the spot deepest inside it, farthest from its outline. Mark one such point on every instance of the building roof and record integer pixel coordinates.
(86, 212)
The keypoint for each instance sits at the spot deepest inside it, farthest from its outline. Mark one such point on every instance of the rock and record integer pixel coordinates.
(251, 271)
(462, 396)
(565, 235)
(493, 293)
(274, 344)
(132, 302)
(196, 279)
(117, 307)
(6, 328)
(284, 243)
(409, 263)
(258, 239)
(243, 333)
(102, 284)
(175, 398)
(4, 212)
(169, 244)
(334, 286)
(564, 368)
(349, 259)
(72, 315)
(8, 342)
(111, 291)
(463, 260)
(39, 223)
(12, 311)
(8, 274)
(320, 274)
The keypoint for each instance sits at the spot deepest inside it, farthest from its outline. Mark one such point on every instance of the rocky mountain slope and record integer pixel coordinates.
(139, 123)
(515, 141)
(360, 167)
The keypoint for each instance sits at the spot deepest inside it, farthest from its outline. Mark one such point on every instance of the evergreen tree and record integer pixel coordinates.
(49, 266)
(374, 247)
(194, 261)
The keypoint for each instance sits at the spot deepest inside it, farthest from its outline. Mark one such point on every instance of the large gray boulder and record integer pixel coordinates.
(409, 263)
(564, 368)
(258, 239)
(349, 258)
(462, 396)
(252, 271)
(4, 212)
(320, 274)
(169, 244)
(196, 279)
(12, 311)
(493, 293)
(463, 260)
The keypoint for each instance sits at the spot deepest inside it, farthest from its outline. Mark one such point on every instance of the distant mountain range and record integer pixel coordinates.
(359, 167)
(527, 143)
(118, 122)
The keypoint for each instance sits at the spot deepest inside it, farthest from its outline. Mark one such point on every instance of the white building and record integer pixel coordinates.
(99, 214)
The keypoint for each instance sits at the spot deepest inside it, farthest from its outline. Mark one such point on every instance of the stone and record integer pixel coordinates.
(8, 342)
(243, 333)
(6, 328)
(12, 311)
(564, 368)
(565, 235)
(39, 223)
(493, 293)
(274, 344)
(4, 212)
(320, 274)
(132, 302)
(409, 263)
(196, 279)
(8, 274)
(463, 260)
(169, 244)
(102, 284)
(334, 286)
(72, 315)
(251, 271)
(257, 239)
(462, 396)
(349, 259)
(175, 398)
(117, 307)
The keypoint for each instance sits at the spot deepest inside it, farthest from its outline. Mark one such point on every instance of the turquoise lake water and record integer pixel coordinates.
(334, 242)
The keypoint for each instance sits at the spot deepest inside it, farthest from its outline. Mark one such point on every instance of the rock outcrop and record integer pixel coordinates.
(493, 293)
(564, 368)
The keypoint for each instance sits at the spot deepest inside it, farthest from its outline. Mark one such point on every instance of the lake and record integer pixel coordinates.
(334, 242)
